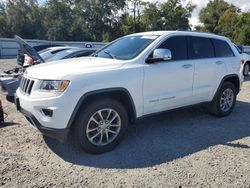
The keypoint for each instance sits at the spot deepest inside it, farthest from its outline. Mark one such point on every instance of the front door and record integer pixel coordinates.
(168, 84)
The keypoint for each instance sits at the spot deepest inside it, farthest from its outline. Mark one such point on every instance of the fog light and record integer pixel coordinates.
(47, 112)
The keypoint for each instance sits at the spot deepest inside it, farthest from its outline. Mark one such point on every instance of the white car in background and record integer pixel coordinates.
(245, 60)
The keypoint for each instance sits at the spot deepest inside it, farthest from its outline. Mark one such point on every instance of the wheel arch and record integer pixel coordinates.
(233, 78)
(248, 61)
(120, 94)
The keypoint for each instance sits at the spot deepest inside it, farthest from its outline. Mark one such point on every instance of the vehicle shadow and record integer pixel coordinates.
(164, 138)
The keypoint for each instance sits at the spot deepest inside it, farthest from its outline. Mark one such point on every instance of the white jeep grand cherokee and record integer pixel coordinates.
(95, 97)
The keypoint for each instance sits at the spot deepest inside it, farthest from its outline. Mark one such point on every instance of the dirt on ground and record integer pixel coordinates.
(184, 148)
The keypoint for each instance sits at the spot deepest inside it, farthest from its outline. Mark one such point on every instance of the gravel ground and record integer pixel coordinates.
(185, 148)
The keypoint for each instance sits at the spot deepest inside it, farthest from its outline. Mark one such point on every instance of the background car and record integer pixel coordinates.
(10, 80)
(245, 60)
(27, 55)
(45, 54)
(21, 55)
(71, 53)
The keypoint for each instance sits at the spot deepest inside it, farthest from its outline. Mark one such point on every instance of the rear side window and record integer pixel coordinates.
(178, 47)
(222, 49)
(200, 47)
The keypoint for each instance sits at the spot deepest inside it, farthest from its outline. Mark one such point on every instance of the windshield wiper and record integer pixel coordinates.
(110, 54)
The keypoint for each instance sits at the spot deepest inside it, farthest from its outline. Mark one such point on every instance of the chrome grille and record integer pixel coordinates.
(26, 85)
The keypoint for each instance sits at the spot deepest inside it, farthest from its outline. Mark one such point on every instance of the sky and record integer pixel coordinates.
(244, 5)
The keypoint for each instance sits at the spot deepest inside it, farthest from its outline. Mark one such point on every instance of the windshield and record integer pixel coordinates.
(126, 48)
(238, 48)
(61, 55)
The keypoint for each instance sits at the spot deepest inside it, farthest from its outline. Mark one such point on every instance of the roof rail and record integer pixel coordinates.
(196, 31)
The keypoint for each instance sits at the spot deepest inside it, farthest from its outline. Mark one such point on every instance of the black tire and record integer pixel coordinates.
(246, 69)
(215, 106)
(83, 122)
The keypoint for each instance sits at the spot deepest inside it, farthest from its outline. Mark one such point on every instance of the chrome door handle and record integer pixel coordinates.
(186, 66)
(219, 62)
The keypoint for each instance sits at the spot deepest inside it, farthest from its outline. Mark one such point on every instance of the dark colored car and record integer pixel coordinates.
(71, 53)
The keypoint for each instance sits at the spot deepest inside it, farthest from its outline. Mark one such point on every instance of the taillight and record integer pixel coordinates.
(30, 61)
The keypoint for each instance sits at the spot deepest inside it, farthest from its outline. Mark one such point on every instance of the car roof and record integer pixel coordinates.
(79, 49)
(52, 49)
(151, 33)
(60, 47)
(188, 33)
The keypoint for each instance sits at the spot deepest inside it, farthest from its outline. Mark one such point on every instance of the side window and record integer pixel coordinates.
(178, 47)
(222, 49)
(200, 47)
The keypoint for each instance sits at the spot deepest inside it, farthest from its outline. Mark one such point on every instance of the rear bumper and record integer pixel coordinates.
(58, 134)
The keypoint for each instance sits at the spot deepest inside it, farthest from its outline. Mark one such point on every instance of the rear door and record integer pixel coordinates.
(224, 53)
(208, 71)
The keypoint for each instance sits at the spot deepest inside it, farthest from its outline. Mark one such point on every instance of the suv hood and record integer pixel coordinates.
(64, 68)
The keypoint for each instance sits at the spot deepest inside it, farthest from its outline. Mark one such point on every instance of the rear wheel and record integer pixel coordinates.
(246, 69)
(101, 125)
(224, 101)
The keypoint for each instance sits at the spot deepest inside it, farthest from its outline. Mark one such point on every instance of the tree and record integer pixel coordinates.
(171, 15)
(151, 18)
(3, 23)
(243, 29)
(57, 19)
(36, 18)
(99, 16)
(227, 23)
(211, 14)
(22, 18)
(136, 8)
(175, 15)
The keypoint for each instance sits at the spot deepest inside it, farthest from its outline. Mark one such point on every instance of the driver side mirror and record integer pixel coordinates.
(160, 54)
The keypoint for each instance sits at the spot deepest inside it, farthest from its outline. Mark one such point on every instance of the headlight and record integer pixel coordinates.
(54, 85)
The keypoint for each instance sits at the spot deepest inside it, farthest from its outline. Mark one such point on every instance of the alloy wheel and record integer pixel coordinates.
(103, 127)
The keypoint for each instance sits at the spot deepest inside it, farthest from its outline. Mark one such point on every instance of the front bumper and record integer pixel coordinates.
(59, 134)
(61, 107)
(54, 124)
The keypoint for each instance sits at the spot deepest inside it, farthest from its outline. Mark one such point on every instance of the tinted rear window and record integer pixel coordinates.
(200, 47)
(177, 46)
(222, 49)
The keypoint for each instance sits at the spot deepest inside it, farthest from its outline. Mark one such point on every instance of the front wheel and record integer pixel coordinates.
(246, 69)
(224, 101)
(101, 125)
